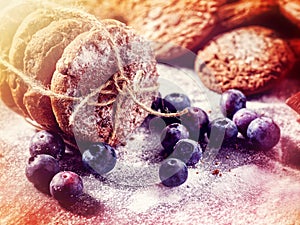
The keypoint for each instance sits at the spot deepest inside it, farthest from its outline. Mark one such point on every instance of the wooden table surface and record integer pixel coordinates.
(251, 188)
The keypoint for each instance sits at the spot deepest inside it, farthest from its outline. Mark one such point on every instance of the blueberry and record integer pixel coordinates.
(196, 121)
(173, 172)
(66, 187)
(243, 118)
(157, 103)
(175, 102)
(171, 134)
(99, 158)
(188, 151)
(232, 100)
(46, 142)
(222, 130)
(263, 133)
(40, 169)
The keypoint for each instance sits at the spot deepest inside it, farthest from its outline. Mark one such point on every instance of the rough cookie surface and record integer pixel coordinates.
(41, 55)
(89, 62)
(291, 10)
(34, 22)
(251, 59)
(11, 17)
(174, 26)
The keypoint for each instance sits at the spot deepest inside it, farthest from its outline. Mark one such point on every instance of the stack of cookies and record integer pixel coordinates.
(71, 73)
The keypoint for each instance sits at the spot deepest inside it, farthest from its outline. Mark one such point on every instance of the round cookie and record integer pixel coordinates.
(238, 12)
(176, 27)
(173, 26)
(11, 17)
(251, 59)
(291, 10)
(42, 52)
(34, 22)
(91, 61)
(31, 24)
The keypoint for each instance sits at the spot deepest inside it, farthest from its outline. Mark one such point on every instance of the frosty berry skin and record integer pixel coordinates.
(196, 121)
(231, 101)
(175, 102)
(188, 151)
(171, 135)
(263, 133)
(46, 142)
(221, 131)
(99, 158)
(173, 172)
(157, 103)
(66, 187)
(243, 118)
(40, 169)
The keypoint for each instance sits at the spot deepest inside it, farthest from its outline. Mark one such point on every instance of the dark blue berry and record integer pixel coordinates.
(40, 169)
(46, 142)
(66, 186)
(175, 102)
(157, 103)
(222, 130)
(232, 100)
(243, 118)
(263, 133)
(188, 151)
(173, 172)
(171, 135)
(99, 158)
(196, 121)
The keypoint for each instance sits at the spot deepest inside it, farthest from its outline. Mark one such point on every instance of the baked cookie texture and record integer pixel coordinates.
(173, 26)
(11, 17)
(43, 41)
(177, 27)
(104, 57)
(294, 102)
(291, 10)
(34, 22)
(41, 55)
(251, 59)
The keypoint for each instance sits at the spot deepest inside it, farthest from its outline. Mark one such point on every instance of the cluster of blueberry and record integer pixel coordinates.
(182, 137)
(261, 132)
(43, 168)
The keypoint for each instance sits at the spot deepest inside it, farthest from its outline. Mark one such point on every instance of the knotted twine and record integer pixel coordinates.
(119, 81)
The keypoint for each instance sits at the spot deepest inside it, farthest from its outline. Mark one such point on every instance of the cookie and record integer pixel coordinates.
(177, 27)
(11, 17)
(30, 25)
(240, 12)
(34, 22)
(291, 10)
(41, 54)
(294, 102)
(251, 59)
(89, 62)
(173, 26)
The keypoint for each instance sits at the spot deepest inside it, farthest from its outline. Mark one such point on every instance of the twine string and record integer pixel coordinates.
(120, 81)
